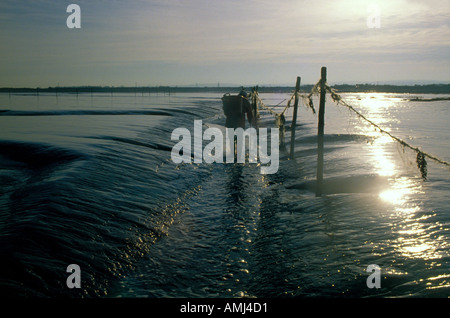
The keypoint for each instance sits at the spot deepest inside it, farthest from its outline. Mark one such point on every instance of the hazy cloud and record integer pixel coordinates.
(199, 40)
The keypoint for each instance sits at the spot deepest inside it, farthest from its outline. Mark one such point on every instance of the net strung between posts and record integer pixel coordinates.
(280, 119)
(421, 155)
(308, 101)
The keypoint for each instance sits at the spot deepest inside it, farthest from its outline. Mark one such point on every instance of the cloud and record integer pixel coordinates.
(218, 36)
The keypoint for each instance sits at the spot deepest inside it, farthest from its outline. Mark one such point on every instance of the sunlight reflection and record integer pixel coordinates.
(393, 196)
(400, 192)
(383, 165)
(414, 238)
(419, 248)
(375, 102)
(403, 193)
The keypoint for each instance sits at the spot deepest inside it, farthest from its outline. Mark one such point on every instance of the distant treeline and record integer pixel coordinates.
(415, 89)
(362, 88)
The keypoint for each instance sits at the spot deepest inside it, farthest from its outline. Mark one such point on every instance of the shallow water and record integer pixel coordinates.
(89, 180)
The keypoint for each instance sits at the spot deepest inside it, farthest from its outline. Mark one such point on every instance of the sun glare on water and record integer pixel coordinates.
(403, 192)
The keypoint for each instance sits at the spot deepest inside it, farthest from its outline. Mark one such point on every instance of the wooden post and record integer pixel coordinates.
(294, 117)
(323, 80)
(254, 103)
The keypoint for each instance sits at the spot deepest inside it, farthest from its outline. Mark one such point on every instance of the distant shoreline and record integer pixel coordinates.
(343, 88)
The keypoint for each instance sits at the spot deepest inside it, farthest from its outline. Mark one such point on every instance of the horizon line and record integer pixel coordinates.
(228, 85)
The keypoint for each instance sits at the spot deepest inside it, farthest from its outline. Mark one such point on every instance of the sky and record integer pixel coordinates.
(221, 42)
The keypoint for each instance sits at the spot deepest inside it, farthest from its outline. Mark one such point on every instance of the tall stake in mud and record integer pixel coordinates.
(323, 80)
(254, 103)
(294, 117)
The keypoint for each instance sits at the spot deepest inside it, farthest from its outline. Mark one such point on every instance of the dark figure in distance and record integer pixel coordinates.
(235, 108)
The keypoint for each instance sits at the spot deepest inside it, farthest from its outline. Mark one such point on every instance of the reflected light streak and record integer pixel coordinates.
(375, 103)
(383, 165)
(401, 191)
(414, 239)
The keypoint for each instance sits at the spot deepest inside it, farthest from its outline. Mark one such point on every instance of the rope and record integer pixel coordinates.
(280, 120)
(307, 100)
(261, 103)
(421, 155)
